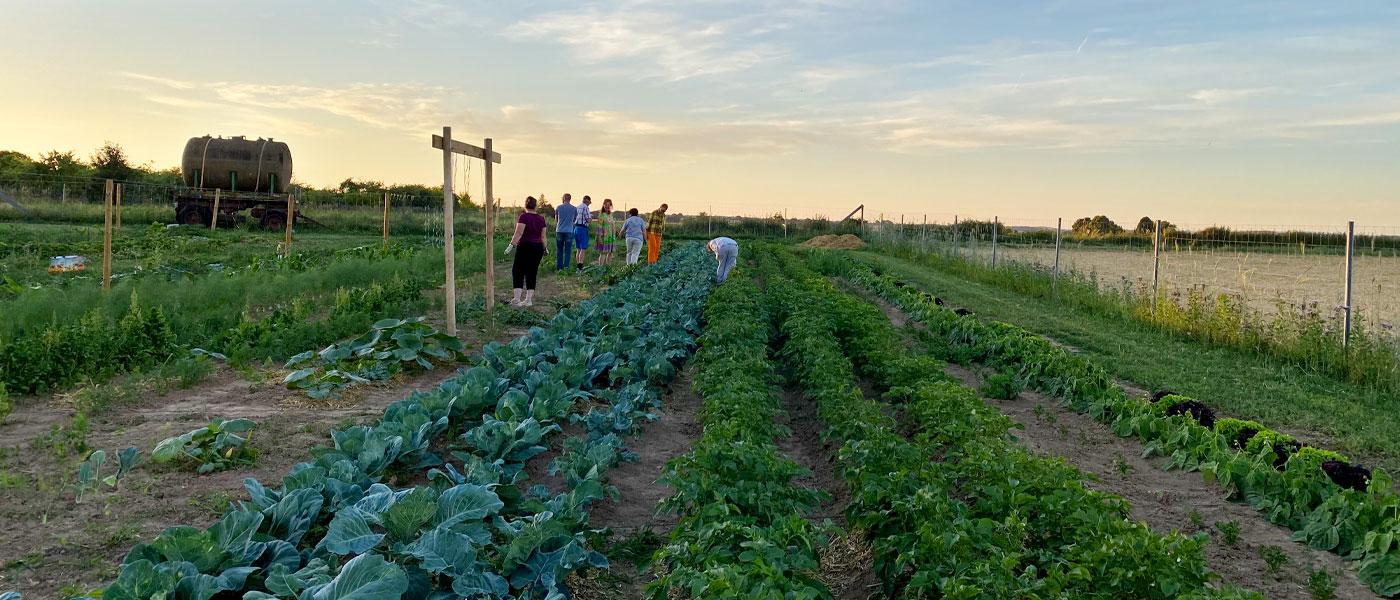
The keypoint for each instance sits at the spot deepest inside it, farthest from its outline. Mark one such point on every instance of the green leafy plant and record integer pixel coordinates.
(389, 346)
(90, 470)
(1274, 558)
(1000, 386)
(6, 405)
(1230, 532)
(222, 444)
(1195, 517)
(1321, 585)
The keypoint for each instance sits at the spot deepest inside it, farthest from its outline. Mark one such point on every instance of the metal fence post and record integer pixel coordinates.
(1055, 281)
(996, 225)
(1156, 261)
(1346, 327)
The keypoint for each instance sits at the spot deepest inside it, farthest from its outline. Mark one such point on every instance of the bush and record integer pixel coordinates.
(6, 405)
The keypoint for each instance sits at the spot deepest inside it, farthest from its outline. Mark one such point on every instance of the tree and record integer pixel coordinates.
(110, 162)
(1095, 226)
(1145, 225)
(15, 163)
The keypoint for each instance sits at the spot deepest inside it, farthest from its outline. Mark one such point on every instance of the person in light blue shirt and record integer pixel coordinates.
(564, 232)
(727, 253)
(634, 231)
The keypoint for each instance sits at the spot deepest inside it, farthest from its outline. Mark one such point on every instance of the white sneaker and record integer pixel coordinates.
(527, 302)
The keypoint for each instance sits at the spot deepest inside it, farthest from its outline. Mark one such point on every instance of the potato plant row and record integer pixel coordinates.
(741, 532)
(430, 502)
(1285, 480)
(953, 507)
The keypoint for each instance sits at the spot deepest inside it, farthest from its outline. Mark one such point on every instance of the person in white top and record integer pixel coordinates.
(726, 251)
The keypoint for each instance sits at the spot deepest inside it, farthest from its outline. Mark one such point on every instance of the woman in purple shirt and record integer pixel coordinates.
(529, 239)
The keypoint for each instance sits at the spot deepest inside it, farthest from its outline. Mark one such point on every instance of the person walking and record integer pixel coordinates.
(528, 245)
(581, 220)
(726, 252)
(603, 233)
(656, 223)
(564, 232)
(632, 231)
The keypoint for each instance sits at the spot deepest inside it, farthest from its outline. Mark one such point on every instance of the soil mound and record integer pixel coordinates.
(844, 241)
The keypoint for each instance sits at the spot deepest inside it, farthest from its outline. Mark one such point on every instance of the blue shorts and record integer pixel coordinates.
(581, 237)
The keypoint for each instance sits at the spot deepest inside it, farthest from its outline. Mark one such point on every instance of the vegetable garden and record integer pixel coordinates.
(482, 484)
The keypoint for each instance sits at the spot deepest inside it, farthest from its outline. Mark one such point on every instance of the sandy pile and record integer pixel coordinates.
(840, 242)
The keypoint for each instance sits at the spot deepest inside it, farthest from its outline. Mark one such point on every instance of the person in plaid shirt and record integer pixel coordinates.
(656, 222)
(581, 220)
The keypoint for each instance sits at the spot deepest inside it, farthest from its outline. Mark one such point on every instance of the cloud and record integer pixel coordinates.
(399, 107)
(674, 47)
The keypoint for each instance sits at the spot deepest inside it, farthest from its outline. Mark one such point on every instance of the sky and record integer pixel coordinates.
(1240, 113)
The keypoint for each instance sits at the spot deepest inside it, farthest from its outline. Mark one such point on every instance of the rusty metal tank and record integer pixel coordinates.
(237, 164)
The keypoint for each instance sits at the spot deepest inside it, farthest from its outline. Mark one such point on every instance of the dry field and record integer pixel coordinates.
(1263, 279)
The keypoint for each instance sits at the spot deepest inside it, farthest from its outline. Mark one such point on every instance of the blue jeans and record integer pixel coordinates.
(728, 255)
(563, 249)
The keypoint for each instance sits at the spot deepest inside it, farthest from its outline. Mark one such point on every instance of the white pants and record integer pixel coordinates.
(727, 256)
(634, 250)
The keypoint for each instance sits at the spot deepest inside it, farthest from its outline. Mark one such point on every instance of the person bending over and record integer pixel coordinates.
(727, 254)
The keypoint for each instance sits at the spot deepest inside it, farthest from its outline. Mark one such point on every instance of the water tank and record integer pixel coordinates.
(237, 164)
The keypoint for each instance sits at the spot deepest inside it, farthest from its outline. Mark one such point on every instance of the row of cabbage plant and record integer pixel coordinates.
(431, 501)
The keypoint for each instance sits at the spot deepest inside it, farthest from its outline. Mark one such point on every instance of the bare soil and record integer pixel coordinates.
(634, 514)
(54, 547)
(1165, 500)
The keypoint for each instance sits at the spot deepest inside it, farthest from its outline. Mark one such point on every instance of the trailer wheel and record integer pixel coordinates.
(193, 215)
(274, 220)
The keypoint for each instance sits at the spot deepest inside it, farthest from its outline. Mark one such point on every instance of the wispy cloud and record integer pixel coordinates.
(675, 47)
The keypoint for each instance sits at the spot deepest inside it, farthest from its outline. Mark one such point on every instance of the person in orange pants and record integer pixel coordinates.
(656, 222)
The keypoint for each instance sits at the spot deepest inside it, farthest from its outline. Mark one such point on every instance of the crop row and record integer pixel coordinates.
(337, 527)
(50, 346)
(741, 533)
(1287, 481)
(952, 506)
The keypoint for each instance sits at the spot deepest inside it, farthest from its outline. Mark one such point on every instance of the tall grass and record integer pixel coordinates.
(203, 310)
(1299, 334)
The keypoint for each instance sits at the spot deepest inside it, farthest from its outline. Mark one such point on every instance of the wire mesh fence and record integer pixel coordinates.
(1272, 269)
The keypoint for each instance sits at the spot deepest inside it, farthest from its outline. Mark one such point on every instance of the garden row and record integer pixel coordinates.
(1329, 503)
(953, 507)
(59, 337)
(432, 500)
(741, 533)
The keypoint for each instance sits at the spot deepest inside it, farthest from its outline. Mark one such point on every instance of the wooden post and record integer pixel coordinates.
(386, 219)
(1156, 261)
(448, 199)
(490, 235)
(448, 147)
(1346, 326)
(214, 222)
(291, 218)
(107, 236)
(1055, 283)
(118, 226)
(996, 227)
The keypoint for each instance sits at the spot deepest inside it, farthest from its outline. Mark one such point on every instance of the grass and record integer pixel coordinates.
(1352, 419)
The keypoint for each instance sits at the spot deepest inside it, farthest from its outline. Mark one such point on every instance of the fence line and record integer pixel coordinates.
(1316, 272)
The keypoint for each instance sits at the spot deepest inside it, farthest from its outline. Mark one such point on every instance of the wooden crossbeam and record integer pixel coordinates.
(467, 149)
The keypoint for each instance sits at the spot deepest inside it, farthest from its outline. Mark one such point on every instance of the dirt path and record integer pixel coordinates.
(633, 516)
(57, 547)
(805, 447)
(1165, 500)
